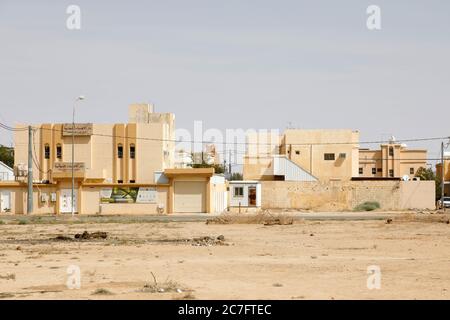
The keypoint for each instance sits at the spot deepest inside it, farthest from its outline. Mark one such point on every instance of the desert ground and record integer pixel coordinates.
(240, 260)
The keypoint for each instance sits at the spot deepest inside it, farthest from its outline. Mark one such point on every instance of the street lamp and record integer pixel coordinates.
(73, 152)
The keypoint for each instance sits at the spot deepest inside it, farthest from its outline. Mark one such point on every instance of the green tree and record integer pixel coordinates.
(236, 176)
(7, 156)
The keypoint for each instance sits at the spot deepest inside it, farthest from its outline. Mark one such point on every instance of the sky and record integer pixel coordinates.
(232, 64)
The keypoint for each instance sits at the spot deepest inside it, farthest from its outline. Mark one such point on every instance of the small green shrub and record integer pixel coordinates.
(367, 206)
(23, 222)
(2, 222)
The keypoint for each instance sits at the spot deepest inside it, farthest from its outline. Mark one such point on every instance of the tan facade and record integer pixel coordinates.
(392, 160)
(121, 168)
(110, 153)
(328, 155)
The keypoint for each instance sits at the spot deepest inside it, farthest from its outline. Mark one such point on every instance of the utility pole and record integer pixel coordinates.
(229, 164)
(30, 172)
(73, 154)
(442, 176)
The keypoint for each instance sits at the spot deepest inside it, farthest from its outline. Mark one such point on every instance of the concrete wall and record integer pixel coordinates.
(345, 195)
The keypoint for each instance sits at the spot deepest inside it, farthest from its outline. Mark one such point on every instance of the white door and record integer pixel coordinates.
(190, 196)
(5, 204)
(65, 203)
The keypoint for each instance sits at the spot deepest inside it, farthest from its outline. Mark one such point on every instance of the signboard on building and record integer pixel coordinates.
(80, 129)
(146, 195)
(60, 167)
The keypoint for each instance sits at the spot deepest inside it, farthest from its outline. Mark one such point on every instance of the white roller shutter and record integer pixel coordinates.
(189, 196)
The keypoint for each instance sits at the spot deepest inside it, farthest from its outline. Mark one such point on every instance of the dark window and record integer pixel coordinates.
(374, 170)
(391, 173)
(391, 151)
(297, 151)
(361, 170)
(119, 181)
(411, 170)
(120, 151)
(47, 151)
(379, 170)
(59, 151)
(132, 151)
(132, 181)
(238, 191)
(328, 156)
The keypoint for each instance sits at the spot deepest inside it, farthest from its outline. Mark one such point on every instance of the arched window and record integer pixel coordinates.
(120, 151)
(47, 151)
(58, 151)
(132, 151)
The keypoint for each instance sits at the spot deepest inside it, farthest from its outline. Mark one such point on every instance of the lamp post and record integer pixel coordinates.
(73, 153)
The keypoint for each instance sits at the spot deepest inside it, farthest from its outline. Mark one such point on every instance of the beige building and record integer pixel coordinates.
(392, 160)
(302, 155)
(124, 168)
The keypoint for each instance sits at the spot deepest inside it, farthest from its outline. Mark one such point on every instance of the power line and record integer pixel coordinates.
(239, 143)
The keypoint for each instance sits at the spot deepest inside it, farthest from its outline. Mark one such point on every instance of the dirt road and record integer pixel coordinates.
(305, 260)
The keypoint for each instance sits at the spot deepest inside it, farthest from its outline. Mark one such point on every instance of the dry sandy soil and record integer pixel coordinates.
(305, 260)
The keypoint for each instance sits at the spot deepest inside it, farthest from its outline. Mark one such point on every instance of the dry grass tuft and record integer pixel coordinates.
(265, 218)
(9, 276)
(166, 286)
(103, 292)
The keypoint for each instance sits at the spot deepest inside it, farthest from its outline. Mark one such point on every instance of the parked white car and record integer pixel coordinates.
(445, 201)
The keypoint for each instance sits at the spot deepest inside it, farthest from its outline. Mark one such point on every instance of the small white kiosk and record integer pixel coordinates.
(244, 195)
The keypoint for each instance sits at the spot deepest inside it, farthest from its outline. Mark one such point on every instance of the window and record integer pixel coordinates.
(411, 170)
(47, 151)
(361, 170)
(297, 152)
(120, 151)
(379, 170)
(391, 173)
(132, 181)
(132, 151)
(59, 151)
(391, 151)
(342, 155)
(238, 191)
(374, 170)
(119, 181)
(328, 156)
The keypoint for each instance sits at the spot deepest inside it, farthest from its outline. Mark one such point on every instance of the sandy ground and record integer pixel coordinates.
(305, 260)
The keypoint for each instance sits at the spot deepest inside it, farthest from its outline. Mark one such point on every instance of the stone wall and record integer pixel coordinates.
(345, 195)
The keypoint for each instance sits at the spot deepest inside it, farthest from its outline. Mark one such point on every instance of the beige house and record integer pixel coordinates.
(124, 168)
(392, 160)
(302, 155)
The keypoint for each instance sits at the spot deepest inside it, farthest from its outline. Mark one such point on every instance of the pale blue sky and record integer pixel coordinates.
(232, 64)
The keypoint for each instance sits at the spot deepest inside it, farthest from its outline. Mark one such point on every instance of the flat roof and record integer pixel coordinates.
(208, 172)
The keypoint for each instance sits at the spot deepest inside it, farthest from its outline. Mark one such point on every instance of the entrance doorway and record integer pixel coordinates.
(65, 201)
(5, 202)
(251, 196)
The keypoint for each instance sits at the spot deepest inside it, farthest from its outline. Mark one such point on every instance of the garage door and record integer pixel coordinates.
(189, 196)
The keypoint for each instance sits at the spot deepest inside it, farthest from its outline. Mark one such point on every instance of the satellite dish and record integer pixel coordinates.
(405, 177)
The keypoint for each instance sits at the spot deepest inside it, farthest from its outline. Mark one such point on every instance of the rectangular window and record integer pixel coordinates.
(120, 152)
(391, 173)
(297, 152)
(132, 152)
(379, 170)
(411, 170)
(47, 152)
(374, 170)
(59, 152)
(328, 156)
(119, 181)
(391, 151)
(132, 181)
(361, 170)
(238, 191)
